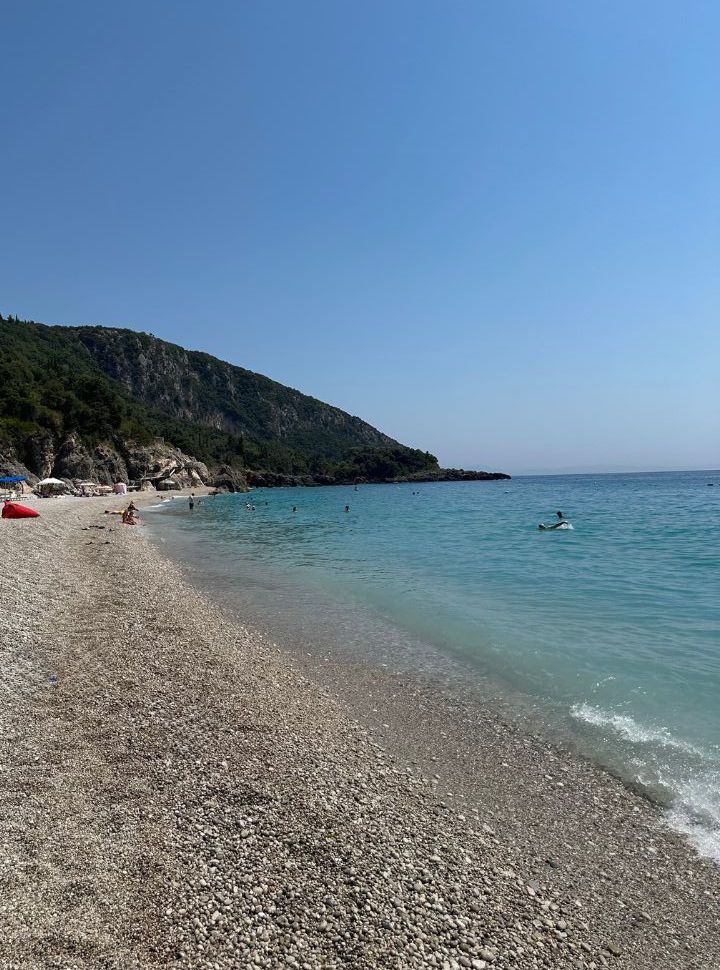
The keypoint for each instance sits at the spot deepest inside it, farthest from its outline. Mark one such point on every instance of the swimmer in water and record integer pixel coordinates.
(561, 522)
(347, 508)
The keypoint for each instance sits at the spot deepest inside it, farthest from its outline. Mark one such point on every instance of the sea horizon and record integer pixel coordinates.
(609, 471)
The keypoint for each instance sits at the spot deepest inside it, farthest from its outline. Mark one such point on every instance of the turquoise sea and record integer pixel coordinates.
(611, 629)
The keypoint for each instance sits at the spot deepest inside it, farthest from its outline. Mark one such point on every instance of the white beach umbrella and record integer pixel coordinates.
(51, 481)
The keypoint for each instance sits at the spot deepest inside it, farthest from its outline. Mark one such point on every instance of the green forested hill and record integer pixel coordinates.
(114, 387)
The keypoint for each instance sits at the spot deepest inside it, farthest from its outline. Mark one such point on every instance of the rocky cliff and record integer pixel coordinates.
(197, 388)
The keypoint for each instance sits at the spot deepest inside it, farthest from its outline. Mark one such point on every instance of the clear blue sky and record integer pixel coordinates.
(491, 229)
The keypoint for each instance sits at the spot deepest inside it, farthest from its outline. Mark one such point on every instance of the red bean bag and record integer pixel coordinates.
(11, 510)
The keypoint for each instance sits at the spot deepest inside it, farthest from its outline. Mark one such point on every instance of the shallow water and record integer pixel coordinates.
(613, 627)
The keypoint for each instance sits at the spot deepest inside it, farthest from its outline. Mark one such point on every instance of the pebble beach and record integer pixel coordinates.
(179, 791)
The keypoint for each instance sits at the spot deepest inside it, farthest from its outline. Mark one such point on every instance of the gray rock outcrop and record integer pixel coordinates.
(229, 479)
(10, 463)
(41, 455)
(104, 464)
(107, 463)
(158, 461)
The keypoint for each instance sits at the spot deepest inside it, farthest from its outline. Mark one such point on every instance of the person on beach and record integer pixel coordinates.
(129, 516)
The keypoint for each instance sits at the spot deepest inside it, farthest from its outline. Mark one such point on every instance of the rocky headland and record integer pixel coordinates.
(99, 404)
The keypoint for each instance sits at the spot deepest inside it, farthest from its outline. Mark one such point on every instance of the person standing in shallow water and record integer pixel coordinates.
(191, 502)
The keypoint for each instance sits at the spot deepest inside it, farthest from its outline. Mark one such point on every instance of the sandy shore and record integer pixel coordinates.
(178, 792)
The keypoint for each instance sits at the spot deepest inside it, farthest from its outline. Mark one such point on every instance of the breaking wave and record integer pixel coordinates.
(630, 729)
(689, 774)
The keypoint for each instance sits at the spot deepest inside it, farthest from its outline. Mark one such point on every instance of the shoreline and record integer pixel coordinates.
(345, 634)
(187, 794)
(338, 665)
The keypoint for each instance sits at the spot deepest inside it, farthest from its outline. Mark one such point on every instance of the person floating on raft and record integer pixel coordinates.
(561, 523)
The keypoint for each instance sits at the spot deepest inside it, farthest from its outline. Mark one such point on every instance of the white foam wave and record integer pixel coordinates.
(703, 838)
(696, 814)
(629, 728)
(695, 791)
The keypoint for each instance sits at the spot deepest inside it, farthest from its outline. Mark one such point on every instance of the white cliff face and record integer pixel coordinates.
(159, 461)
(106, 463)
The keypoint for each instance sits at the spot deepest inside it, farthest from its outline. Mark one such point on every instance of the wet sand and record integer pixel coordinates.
(180, 792)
